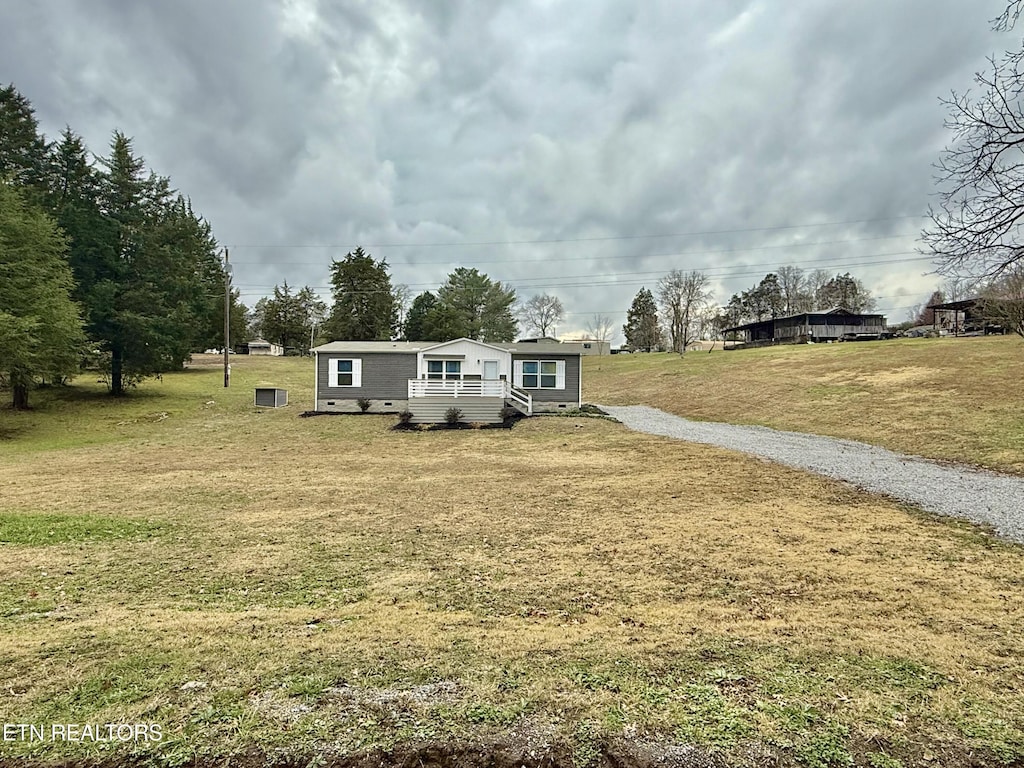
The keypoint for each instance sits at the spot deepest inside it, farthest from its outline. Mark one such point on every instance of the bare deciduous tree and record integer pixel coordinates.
(957, 288)
(976, 227)
(1009, 16)
(542, 313)
(1002, 301)
(794, 292)
(402, 294)
(682, 295)
(600, 328)
(815, 287)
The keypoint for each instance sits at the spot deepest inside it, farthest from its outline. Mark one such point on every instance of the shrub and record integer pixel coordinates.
(508, 412)
(364, 404)
(405, 417)
(453, 416)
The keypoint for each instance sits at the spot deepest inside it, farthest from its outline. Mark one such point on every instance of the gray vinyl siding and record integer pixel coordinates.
(571, 393)
(432, 410)
(385, 376)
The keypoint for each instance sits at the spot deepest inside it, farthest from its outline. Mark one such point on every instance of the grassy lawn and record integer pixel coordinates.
(959, 399)
(265, 586)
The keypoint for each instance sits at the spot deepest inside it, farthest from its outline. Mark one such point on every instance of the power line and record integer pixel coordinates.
(544, 282)
(608, 238)
(545, 260)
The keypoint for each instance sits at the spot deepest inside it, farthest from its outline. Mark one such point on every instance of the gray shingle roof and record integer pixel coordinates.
(412, 347)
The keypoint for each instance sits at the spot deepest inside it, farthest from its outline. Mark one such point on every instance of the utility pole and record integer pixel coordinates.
(227, 318)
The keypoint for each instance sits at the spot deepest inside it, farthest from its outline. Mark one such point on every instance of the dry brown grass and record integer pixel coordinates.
(953, 398)
(567, 572)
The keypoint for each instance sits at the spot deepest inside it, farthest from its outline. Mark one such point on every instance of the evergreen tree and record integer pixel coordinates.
(847, 292)
(23, 150)
(446, 322)
(765, 300)
(144, 278)
(641, 329)
(471, 305)
(416, 325)
(364, 304)
(40, 327)
(289, 317)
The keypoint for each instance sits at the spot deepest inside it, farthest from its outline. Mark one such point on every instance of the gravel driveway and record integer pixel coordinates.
(976, 495)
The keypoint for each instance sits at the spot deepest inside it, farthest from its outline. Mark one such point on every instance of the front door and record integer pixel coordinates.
(490, 370)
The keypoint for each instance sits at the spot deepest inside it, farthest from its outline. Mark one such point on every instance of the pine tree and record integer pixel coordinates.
(40, 327)
(416, 326)
(143, 278)
(23, 150)
(641, 330)
(471, 305)
(847, 292)
(289, 317)
(364, 304)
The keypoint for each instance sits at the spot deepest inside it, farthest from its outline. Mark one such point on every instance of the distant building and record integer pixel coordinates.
(591, 346)
(264, 347)
(964, 316)
(837, 324)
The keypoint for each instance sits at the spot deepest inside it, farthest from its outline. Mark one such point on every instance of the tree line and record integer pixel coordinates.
(104, 264)
(684, 300)
(99, 259)
(367, 306)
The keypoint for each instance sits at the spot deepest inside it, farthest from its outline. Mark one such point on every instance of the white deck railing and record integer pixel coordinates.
(456, 388)
(521, 396)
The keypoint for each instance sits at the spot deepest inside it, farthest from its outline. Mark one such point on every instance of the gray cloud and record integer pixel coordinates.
(400, 125)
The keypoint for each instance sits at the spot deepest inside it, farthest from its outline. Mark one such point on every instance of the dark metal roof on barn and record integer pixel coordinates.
(834, 312)
(961, 306)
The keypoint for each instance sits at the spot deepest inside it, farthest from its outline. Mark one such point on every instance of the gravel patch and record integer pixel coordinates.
(976, 495)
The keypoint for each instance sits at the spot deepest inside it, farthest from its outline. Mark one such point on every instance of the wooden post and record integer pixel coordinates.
(227, 318)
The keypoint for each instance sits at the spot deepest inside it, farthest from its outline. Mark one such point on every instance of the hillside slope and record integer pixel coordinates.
(951, 399)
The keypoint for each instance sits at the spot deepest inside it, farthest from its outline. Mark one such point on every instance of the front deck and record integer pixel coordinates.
(479, 400)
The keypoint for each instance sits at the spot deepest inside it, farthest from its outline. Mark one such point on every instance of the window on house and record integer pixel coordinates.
(444, 369)
(346, 373)
(543, 374)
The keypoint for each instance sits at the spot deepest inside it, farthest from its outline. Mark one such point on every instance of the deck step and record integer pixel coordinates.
(433, 410)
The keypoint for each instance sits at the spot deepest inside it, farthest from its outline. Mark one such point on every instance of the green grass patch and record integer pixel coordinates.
(32, 529)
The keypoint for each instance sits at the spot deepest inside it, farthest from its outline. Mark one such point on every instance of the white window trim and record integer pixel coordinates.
(333, 374)
(517, 374)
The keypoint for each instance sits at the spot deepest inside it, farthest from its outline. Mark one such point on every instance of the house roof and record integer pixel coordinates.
(958, 305)
(833, 311)
(413, 347)
(374, 346)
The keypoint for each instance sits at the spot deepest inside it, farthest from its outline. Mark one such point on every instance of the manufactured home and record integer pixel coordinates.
(428, 378)
(264, 347)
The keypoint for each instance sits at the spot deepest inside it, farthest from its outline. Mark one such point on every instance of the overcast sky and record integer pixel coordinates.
(581, 148)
